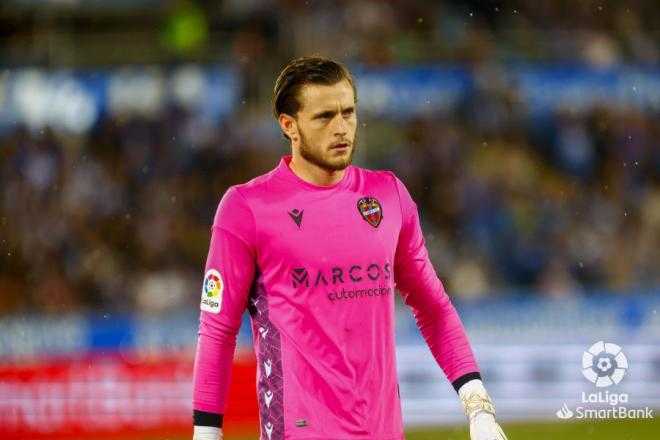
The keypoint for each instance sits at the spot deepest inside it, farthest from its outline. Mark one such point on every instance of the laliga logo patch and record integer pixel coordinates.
(212, 292)
(370, 210)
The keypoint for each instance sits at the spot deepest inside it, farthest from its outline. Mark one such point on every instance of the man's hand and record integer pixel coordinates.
(207, 433)
(480, 412)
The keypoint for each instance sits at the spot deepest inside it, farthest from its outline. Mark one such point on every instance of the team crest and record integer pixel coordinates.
(371, 210)
(212, 292)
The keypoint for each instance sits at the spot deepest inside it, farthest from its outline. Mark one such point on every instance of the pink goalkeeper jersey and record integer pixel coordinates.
(316, 267)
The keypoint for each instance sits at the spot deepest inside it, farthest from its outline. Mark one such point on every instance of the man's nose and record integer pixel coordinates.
(341, 127)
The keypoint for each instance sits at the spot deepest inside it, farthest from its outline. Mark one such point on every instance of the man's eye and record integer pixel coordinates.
(348, 112)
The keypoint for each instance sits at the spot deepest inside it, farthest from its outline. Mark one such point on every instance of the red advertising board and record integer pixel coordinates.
(114, 395)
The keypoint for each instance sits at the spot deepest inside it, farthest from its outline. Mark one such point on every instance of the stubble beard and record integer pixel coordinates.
(315, 156)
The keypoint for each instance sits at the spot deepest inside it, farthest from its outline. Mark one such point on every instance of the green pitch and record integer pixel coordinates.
(596, 430)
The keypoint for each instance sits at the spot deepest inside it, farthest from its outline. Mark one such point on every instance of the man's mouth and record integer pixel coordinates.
(340, 146)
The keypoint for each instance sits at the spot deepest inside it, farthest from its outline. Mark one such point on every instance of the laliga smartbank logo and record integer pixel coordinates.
(604, 365)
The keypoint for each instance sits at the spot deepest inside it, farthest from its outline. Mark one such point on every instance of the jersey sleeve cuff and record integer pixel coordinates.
(458, 383)
(203, 418)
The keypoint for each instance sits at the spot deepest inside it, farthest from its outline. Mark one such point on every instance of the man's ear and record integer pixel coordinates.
(289, 126)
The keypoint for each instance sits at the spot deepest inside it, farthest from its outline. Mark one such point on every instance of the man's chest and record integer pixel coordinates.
(329, 231)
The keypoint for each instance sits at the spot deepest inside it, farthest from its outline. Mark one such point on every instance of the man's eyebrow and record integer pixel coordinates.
(331, 113)
(324, 113)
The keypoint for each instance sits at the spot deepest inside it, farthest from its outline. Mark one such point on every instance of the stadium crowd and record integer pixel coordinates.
(119, 218)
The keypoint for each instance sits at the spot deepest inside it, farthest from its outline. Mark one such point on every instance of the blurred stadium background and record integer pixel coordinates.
(528, 132)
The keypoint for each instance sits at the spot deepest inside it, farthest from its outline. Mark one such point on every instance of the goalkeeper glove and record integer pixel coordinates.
(207, 433)
(480, 412)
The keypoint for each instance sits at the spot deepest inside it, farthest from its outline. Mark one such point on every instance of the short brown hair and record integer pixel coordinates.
(301, 71)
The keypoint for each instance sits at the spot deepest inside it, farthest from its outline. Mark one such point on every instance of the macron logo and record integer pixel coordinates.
(296, 216)
(269, 429)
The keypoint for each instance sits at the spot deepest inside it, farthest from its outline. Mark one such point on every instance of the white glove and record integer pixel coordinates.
(207, 433)
(480, 412)
(484, 427)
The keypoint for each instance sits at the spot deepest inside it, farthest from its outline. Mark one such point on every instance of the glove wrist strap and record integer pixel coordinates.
(475, 402)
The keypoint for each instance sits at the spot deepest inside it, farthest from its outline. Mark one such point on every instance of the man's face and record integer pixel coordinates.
(326, 125)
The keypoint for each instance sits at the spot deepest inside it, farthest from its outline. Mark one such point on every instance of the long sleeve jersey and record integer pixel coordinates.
(317, 267)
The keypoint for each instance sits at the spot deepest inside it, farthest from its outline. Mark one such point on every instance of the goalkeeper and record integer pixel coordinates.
(314, 249)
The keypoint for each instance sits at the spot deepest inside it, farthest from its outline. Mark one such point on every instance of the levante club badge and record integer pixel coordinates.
(370, 210)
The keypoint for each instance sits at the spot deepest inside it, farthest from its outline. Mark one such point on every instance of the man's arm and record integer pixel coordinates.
(439, 323)
(228, 276)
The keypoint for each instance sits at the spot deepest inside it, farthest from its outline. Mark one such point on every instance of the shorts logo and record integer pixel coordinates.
(371, 210)
(212, 292)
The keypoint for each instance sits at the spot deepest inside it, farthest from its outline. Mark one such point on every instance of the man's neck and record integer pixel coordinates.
(314, 174)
